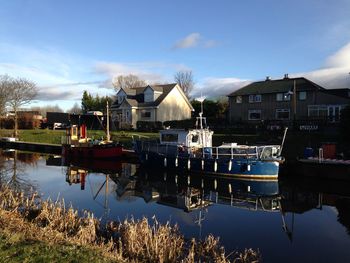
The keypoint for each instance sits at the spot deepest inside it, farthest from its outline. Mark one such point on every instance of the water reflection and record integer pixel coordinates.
(313, 214)
(13, 169)
(306, 194)
(189, 193)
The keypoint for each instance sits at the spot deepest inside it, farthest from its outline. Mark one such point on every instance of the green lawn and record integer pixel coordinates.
(17, 249)
(54, 136)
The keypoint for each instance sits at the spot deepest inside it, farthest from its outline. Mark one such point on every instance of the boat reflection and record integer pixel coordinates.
(184, 192)
(289, 197)
(192, 192)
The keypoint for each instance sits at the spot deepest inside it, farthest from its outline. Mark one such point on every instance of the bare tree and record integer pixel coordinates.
(185, 81)
(4, 93)
(48, 108)
(21, 92)
(76, 109)
(128, 81)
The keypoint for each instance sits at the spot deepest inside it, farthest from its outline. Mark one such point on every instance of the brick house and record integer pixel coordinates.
(286, 99)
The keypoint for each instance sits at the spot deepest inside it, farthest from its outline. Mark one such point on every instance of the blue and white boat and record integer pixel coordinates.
(192, 151)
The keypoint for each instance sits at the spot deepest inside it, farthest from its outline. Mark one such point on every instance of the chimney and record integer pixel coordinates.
(286, 76)
(267, 78)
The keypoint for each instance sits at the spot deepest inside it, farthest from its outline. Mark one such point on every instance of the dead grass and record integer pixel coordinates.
(130, 240)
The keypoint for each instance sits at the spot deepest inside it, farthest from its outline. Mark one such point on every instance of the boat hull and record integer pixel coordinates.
(239, 167)
(105, 151)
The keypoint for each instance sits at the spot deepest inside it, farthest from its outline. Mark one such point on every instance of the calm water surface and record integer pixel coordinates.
(288, 221)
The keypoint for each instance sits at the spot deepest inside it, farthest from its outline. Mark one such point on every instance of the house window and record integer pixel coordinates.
(317, 111)
(286, 96)
(283, 96)
(145, 114)
(282, 114)
(254, 98)
(279, 96)
(254, 115)
(239, 99)
(302, 95)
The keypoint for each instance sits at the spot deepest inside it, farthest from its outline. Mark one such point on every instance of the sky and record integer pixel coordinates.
(68, 46)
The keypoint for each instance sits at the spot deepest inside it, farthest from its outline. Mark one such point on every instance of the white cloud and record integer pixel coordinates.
(217, 87)
(150, 72)
(59, 76)
(192, 40)
(334, 74)
(341, 59)
(210, 43)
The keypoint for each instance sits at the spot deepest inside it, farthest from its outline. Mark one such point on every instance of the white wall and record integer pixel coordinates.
(173, 107)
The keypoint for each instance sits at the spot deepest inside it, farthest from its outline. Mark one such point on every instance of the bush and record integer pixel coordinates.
(149, 126)
(181, 124)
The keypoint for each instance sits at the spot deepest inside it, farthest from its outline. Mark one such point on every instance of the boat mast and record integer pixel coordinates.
(108, 135)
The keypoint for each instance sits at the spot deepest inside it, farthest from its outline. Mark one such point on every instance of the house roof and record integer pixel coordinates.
(136, 99)
(277, 86)
(345, 93)
(132, 102)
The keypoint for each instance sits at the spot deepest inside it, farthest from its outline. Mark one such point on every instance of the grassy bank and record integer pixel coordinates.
(17, 247)
(124, 137)
(33, 230)
(54, 136)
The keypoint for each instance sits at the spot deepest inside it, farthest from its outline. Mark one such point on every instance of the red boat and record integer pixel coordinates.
(76, 144)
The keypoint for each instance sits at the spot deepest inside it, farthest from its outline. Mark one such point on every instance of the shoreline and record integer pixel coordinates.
(33, 220)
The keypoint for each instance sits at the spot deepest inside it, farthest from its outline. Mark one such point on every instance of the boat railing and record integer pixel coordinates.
(258, 203)
(248, 152)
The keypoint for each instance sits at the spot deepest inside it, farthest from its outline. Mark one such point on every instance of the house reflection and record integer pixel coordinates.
(306, 194)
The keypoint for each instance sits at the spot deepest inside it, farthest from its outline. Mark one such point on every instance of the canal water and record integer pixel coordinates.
(291, 220)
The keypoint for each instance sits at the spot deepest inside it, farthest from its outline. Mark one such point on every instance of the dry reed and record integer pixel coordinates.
(130, 240)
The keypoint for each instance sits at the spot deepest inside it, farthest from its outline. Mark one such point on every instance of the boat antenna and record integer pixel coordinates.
(284, 137)
(108, 135)
(201, 100)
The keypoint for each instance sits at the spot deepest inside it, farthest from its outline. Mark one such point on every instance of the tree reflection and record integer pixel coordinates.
(12, 169)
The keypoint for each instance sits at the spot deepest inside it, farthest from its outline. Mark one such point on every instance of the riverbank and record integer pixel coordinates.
(54, 136)
(295, 142)
(32, 230)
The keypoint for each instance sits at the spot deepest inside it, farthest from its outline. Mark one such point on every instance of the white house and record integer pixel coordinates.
(151, 103)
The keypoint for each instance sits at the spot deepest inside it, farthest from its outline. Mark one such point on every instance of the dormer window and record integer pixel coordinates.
(121, 98)
(151, 95)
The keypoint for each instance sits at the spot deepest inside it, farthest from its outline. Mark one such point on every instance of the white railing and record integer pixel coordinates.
(258, 152)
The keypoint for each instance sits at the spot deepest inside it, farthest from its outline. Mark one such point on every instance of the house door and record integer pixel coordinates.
(334, 113)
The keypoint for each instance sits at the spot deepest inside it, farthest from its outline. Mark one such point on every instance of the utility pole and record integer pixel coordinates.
(294, 100)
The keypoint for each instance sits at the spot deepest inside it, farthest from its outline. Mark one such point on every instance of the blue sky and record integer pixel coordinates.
(67, 47)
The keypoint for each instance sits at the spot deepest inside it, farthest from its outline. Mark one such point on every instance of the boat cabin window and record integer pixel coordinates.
(195, 138)
(268, 152)
(170, 137)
